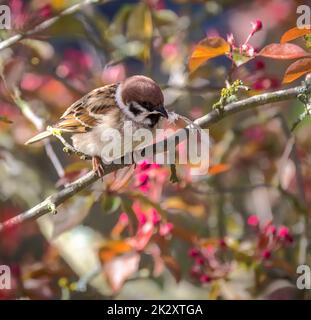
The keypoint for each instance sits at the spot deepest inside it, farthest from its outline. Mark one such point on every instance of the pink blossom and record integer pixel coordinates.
(255, 133)
(209, 250)
(143, 182)
(169, 51)
(204, 278)
(155, 217)
(140, 214)
(156, 4)
(270, 229)
(193, 252)
(19, 15)
(75, 62)
(143, 179)
(222, 243)
(199, 261)
(124, 219)
(31, 81)
(195, 271)
(113, 74)
(141, 217)
(78, 58)
(45, 11)
(166, 229)
(155, 166)
(250, 51)
(247, 49)
(256, 26)
(284, 234)
(143, 165)
(253, 221)
(266, 254)
(265, 83)
(230, 40)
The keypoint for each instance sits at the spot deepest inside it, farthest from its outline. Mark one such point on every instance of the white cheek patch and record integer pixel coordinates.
(123, 106)
(140, 118)
(119, 98)
(146, 121)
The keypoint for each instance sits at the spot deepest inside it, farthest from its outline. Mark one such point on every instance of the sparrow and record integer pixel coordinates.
(138, 99)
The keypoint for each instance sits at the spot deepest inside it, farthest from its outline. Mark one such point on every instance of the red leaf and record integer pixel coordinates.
(294, 33)
(297, 69)
(283, 51)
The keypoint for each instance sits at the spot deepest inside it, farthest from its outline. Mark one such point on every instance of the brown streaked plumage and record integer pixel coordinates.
(138, 99)
(85, 113)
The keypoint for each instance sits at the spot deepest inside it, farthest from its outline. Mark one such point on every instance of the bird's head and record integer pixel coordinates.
(141, 100)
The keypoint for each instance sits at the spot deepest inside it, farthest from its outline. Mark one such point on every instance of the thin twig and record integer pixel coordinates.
(68, 148)
(47, 23)
(53, 157)
(50, 204)
(37, 121)
(304, 243)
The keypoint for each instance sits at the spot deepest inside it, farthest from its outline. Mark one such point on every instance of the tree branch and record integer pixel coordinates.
(46, 24)
(50, 204)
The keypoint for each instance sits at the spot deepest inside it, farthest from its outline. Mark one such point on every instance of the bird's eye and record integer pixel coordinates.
(134, 109)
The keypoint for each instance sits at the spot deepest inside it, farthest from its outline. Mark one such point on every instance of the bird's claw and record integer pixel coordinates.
(98, 166)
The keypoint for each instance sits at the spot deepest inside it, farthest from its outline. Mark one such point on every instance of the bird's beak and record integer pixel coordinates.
(162, 112)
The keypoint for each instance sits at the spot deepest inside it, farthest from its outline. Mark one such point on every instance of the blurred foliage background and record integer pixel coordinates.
(238, 232)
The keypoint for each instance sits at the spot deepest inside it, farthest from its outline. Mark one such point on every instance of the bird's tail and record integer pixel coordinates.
(38, 137)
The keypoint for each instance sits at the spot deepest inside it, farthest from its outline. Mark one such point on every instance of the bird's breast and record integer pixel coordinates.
(111, 141)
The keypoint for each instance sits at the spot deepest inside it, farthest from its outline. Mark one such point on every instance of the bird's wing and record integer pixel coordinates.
(88, 111)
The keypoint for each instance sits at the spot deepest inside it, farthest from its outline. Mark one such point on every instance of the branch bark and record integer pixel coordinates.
(50, 204)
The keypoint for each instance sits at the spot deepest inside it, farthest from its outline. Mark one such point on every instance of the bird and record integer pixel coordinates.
(137, 99)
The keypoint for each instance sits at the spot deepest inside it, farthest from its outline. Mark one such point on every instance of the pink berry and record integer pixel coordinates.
(253, 221)
(222, 243)
(256, 26)
(283, 232)
(166, 229)
(204, 278)
(193, 252)
(266, 254)
(195, 271)
(270, 229)
(199, 261)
